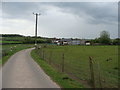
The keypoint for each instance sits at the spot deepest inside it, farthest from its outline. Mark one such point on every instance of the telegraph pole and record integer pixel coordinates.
(36, 14)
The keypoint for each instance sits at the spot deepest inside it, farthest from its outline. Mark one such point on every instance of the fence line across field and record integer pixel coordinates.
(94, 72)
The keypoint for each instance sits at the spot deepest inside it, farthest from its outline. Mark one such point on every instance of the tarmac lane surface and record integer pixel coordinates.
(21, 71)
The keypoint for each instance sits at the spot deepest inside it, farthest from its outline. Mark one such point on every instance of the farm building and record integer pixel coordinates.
(70, 41)
(75, 42)
(82, 41)
(67, 42)
(55, 40)
(87, 43)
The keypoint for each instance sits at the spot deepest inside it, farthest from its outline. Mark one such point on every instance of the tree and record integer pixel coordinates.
(48, 41)
(28, 40)
(105, 37)
(116, 41)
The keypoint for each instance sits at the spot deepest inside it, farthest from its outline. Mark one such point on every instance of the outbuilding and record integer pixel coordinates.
(87, 43)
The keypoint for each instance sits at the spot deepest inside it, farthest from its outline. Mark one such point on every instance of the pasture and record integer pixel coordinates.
(9, 42)
(76, 63)
(10, 49)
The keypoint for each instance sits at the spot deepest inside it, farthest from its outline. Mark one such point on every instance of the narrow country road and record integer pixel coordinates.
(21, 71)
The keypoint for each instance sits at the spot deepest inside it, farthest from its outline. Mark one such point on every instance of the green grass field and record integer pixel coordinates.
(76, 62)
(9, 50)
(10, 42)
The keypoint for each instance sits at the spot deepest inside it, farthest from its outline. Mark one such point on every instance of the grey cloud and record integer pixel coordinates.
(104, 14)
(93, 12)
(99, 12)
(21, 10)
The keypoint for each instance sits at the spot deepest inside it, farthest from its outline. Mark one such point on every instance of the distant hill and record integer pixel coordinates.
(20, 39)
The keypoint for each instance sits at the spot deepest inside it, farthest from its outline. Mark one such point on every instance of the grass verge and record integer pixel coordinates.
(14, 50)
(55, 75)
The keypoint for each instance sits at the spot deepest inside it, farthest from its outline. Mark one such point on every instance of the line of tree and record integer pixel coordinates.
(116, 41)
(24, 39)
(29, 40)
(11, 35)
(104, 39)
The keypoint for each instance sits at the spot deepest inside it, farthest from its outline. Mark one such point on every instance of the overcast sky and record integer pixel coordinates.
(60, 19)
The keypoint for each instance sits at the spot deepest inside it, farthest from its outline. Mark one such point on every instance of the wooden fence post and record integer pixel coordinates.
(92, 72)
(40, 52)
(43, 55)
(62, 62)
(99, 76)
(50, 57)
